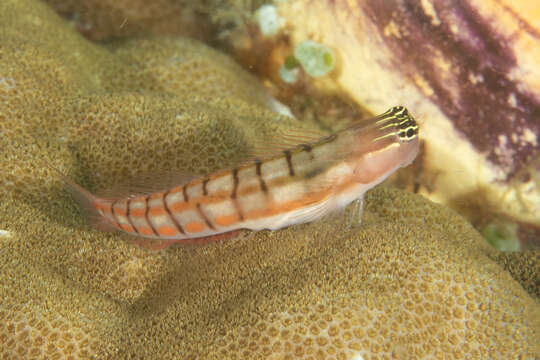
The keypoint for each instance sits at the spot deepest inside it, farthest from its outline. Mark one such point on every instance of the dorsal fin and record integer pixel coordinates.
(146, 183)
(282, 140)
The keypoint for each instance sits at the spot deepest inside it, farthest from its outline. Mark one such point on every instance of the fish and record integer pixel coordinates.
(298, 184)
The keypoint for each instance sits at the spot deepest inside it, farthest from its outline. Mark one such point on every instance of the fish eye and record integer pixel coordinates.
(410, 133)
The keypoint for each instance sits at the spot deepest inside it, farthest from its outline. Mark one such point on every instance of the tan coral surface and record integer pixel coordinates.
(105, 19)
(414, 279)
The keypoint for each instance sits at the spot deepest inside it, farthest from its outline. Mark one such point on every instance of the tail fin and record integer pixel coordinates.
(86, 201)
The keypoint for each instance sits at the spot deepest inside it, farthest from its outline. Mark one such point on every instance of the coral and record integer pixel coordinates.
(26, 335)
(414, 271)
(105, 19)
(411, 305)
(525, 268)
(180, 66)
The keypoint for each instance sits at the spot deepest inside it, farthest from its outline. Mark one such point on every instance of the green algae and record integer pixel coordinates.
(316, 59)
(290, 76)
(502, 236)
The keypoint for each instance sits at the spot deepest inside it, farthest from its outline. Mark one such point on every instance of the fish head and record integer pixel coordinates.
(390, 141)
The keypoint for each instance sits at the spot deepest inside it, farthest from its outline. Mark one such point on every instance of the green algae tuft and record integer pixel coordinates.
(290, 76)
(502, 235)
(316, 59)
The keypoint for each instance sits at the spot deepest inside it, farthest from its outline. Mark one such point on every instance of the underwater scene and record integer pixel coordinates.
(287, 179)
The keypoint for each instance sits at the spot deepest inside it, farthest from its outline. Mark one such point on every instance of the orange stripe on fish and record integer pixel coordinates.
(128, 215)
(137, 213)
(172, 217)
(204, 217)
(295, 185)
(101, 206)
(194, 227)
(144, 230)
(156, 211)
(166, 231)
(227, 220)
(180, 206)
(282, 208)
(147, 216)
(127, 228)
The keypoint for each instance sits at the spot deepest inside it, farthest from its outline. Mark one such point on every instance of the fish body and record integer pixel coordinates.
(293, 186)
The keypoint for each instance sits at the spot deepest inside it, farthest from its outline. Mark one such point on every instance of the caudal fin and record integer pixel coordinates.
(86, 201)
